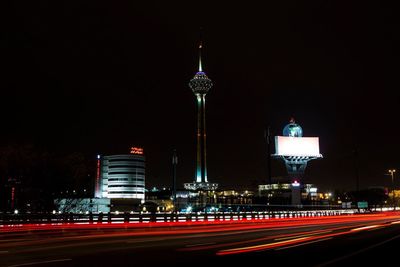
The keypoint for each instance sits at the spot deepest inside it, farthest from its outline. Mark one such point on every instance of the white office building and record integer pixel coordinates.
(121, 176)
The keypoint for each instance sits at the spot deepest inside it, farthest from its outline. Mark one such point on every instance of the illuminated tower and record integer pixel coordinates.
(200, 85)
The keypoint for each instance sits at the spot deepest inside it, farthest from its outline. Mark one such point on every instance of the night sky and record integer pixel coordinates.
(98, 77)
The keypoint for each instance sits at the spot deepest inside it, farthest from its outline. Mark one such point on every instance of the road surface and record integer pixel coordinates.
(317, 241)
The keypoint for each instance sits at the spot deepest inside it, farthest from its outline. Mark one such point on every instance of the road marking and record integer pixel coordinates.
(198, 245)
(39, 262)
(306, 243)
(357, 252)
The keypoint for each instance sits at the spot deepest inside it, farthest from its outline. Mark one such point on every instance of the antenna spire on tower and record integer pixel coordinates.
(200, 66)
(200, 47)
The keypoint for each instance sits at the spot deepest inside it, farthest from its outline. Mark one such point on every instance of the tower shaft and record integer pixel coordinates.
(201, 163)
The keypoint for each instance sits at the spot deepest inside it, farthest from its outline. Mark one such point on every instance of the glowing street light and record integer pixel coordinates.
(392, 172)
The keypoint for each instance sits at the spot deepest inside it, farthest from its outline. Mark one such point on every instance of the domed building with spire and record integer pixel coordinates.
(293, 129)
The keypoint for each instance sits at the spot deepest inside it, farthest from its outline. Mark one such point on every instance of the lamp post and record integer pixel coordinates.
(268, 139)
(392, 172)
(174, 163)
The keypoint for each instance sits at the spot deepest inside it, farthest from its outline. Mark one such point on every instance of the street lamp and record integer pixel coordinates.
(174, 163)
(392, 172)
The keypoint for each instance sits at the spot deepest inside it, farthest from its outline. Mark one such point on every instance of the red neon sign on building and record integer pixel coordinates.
(137, 150)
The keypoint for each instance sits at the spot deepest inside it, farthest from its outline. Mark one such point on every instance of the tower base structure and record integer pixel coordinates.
(295, 166)
(296, 195)
(196, 186)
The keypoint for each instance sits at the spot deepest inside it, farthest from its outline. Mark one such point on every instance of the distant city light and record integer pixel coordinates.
(313, 190)
(295, 184)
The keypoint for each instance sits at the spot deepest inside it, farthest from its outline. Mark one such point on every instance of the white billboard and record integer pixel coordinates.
(297, 146)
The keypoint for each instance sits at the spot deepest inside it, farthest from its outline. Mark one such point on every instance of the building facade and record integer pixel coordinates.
(282, 193)
(121, 176)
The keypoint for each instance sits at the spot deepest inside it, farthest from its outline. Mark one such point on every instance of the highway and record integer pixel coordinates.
(315, 241)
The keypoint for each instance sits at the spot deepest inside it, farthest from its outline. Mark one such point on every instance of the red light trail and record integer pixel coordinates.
(219, 238)
(230, 224)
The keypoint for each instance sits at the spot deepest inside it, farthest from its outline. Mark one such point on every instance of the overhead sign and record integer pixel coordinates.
(297, 146)
(137, 150)
(362, 204)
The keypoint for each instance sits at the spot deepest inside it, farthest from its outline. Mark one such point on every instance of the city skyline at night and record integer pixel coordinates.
(90, 82)
(110, 155)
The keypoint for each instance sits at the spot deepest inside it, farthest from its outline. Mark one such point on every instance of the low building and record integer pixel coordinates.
(281, 193)
(119, 185)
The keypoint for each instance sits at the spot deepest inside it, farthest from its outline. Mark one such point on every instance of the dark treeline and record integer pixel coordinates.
(36, 176)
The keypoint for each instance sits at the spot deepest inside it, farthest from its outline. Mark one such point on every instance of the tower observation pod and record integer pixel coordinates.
(200, 85)
(296, 151)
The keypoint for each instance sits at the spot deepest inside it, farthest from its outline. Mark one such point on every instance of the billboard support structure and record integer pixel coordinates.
(296, 165)
(296, 151)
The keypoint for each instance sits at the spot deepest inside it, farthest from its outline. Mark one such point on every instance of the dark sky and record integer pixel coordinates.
(101, 76)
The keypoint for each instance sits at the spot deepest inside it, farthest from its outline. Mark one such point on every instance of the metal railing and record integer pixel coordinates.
(163, 217)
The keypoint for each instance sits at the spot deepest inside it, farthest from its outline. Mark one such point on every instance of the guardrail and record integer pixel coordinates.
(146, 217)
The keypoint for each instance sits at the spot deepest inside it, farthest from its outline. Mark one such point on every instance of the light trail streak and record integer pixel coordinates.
(291, 241)
(303, 235)
(170, 235)
(274, 237)
(260, 247)
(365, 227)
(303, 244)
(196, 230)
(304, 220)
